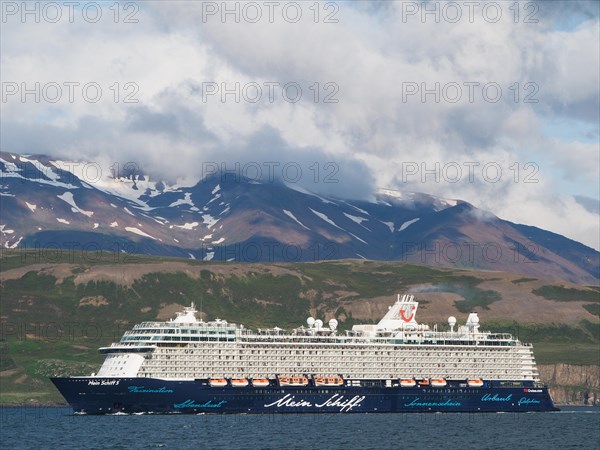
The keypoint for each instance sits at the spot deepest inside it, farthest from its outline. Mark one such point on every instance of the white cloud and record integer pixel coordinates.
(370, 132)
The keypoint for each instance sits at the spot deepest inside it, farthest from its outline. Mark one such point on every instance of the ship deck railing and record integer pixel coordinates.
(132, 338)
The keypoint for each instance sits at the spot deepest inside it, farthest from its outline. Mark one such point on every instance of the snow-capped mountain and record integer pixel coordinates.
(56, 204)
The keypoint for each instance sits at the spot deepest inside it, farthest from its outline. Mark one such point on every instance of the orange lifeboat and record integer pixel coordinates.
(410, 382)
(438, 382)
(335, 381)
(293, 381)
(477, 382)
(424, 382)
(239, 382)
(217, 382)
(260, 382)
(299, 381)
(329, 381)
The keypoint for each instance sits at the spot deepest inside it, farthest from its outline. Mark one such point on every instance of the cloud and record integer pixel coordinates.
(591, 204)
(170, 62)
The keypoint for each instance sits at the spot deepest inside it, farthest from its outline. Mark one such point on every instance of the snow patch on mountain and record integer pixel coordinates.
(68, 198)
(216, 189)
(7, 243)
(356, 237)
(326, 219)
(31, 206)
(7, 231)
(357, 208)
(188, 226)
(13, 173)
(357, 219)
(45, 170)
(408, 223)
(66, 222)
(186, 200)
(209, 220)
(114, 224)
(124, 188)
(390, 225)
(128, 212)
(290, 215)
(138, 232)
(209, 256)
(302, 190)
(14, 244)
(10, 167)
(449, 202)
(216, 197)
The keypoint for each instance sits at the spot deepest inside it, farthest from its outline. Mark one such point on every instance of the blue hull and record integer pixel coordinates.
(150, 395)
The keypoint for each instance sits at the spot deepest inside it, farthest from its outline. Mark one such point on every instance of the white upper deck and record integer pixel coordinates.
(397, 346)
(398, 326)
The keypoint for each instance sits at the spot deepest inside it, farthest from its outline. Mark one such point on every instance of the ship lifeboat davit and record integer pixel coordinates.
(217, 382)
(260, 382)
(329, 381)
(293, 381)
(408, 383)
(438, 382)
(476, 382)
(239, 382)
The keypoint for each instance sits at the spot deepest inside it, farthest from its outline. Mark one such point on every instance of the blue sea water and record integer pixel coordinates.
(57, 428)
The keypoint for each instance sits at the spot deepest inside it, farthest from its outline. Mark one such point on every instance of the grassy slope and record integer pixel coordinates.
(49, 331)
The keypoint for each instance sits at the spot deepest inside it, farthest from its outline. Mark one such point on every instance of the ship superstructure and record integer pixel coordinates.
(396, 347)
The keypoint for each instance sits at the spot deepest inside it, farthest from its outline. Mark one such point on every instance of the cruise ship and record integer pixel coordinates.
(187, 365)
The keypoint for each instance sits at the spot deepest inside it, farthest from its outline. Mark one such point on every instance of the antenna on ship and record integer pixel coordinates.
(451, 322)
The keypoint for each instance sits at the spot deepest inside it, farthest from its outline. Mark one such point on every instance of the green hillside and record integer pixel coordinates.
(56, 313)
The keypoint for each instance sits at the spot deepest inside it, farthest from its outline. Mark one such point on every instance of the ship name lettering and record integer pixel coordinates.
(145, 390)
(528, 401)
(495, 398)
(288, 400)
(338, 400)
(335, 401)
(447, 403)
(103, 383)
(190, 404)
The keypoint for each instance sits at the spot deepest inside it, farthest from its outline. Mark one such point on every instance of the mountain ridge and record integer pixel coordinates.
(231, 218)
